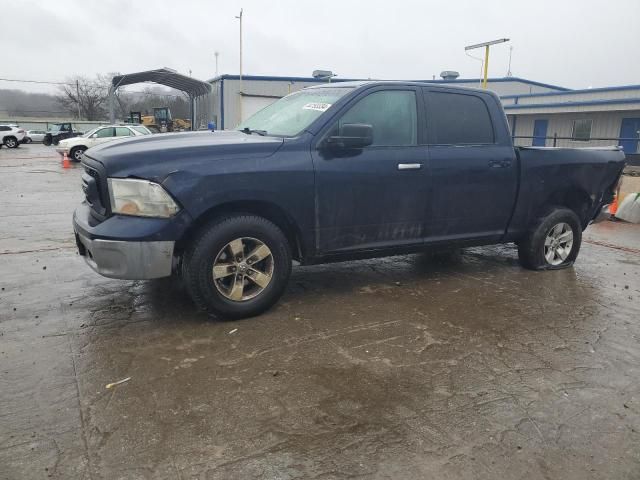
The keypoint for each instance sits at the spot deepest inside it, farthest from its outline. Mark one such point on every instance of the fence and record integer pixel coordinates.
(629, 145)
(553, 141)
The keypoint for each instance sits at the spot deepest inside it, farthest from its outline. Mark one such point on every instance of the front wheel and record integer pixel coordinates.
(11, 142)
(238, 266)
(553, 242)
(76, 153)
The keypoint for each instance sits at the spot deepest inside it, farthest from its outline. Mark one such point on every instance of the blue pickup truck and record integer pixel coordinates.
(334, 172)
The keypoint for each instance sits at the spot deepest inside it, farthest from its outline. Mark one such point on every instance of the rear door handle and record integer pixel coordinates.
(409, 166)
(505, 163)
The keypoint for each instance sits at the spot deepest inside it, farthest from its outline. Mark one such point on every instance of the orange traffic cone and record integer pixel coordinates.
(65, 161)
(613, 208)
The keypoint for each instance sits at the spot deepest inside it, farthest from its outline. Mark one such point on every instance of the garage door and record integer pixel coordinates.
(251, 105)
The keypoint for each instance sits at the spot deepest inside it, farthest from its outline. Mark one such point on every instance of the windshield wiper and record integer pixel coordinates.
(249, 131)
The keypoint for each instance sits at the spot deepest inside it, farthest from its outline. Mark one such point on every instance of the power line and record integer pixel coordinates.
(35, 81)
(44, 82)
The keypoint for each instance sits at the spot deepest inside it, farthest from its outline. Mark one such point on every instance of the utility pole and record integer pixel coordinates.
(486, 46)
(216, 55)
(78, 98)
(239, 17)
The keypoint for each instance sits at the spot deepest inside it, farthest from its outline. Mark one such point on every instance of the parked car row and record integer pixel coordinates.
(12, 136)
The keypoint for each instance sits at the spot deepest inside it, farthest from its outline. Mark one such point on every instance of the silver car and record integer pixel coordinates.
(34, 136)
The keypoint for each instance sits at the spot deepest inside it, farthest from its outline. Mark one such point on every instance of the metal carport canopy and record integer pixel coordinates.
(162, 76)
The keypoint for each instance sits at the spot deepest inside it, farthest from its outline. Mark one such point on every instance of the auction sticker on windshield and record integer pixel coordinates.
(320, 107)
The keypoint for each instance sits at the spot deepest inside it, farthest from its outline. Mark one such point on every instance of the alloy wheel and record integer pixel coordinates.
(243, 269)
(558, 244)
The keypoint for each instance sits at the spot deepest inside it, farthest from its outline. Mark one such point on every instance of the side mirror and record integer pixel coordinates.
(351, 136)
(95, 135)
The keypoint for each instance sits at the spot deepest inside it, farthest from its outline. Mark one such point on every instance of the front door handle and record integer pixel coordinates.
(409, 166)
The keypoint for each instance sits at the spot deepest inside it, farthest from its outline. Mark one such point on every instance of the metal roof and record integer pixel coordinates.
(167, 77)
(336, 80)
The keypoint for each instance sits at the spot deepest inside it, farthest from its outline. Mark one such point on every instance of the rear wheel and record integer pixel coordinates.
(11, 142)
(47, 140)
(238, 266)
(553, 242)
(76, 153)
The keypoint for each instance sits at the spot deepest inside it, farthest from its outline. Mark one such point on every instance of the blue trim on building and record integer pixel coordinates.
(270, 78)
(503, 79)
(573, 104)
(581, 91)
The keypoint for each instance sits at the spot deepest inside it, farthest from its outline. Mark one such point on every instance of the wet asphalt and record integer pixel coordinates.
(407, 367)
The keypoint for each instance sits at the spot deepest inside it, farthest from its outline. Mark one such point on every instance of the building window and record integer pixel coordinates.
(581, 130)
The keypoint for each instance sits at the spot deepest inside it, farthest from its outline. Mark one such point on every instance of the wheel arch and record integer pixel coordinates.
(268, 210)
(573, 198)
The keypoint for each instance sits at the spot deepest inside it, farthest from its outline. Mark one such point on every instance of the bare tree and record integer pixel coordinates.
(84, 97)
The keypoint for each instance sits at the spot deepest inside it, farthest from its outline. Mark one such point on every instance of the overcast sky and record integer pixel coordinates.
(577, 44)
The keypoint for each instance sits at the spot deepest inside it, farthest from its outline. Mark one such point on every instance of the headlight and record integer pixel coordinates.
(140, 198)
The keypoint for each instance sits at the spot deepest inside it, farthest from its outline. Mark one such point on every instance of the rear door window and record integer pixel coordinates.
(458, 119)
(123, 132)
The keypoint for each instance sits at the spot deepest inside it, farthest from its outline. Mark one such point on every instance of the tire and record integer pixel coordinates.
(553, 242)
(215, 246)
(28, 140)
(47, 140)
(11, 142)
(75, 155)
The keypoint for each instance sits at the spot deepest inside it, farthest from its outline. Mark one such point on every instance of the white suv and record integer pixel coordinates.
(76, 146)
(11, 135)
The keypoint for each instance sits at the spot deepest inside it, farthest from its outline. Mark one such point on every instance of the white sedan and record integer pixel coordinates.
(76, 146)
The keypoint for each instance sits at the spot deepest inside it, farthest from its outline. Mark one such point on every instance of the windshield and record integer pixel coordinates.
(292, 114)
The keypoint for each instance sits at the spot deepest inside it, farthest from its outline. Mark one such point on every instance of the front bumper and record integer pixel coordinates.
(62, 150)
(127, 260)
(130, 248)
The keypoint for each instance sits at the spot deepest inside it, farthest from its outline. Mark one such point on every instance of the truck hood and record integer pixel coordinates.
(155, 156)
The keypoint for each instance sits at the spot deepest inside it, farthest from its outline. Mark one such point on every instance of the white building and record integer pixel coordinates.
(233, 104)
(539, 113)
(577, 118)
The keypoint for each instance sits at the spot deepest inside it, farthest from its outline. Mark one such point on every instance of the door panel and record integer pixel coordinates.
(473, 192)
(540, 133)
(472, 166)
(630, 130)
(367, 201)
(373, 197)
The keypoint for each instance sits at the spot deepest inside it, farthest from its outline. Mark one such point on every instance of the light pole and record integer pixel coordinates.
(239, 17)
(216, 55)
(486, 46)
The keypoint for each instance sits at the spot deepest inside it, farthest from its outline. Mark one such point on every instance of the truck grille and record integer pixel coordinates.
(94, 191)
